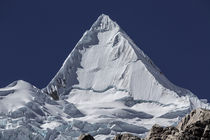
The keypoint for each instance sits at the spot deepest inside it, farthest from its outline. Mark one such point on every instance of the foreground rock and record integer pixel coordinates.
(160, 133)
(194, 126)
(126, 137)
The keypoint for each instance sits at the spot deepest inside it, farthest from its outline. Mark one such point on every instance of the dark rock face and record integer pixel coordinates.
(159, 133)
(86, 137)
(198, 130)
(126, 137)
(206, 133)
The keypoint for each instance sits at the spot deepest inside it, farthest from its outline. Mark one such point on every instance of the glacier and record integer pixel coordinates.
(107, 85)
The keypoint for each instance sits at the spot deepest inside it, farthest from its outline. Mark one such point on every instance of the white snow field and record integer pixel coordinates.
(107, 85)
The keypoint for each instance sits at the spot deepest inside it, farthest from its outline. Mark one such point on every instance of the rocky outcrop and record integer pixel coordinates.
(126, 137)
(196, 116)
(194, 126)
(159, 133)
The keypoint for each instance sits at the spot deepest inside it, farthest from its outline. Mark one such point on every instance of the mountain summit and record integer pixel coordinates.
(106, 58)
(107, 85)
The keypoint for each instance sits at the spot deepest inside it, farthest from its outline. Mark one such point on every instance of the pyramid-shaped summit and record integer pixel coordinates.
(105, 58)
(104, 23)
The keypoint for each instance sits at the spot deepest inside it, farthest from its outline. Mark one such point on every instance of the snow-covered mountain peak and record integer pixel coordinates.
(105, 86)
(106, 58)
(104, 23)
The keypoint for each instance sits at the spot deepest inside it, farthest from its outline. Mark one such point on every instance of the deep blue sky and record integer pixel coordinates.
(36, 36)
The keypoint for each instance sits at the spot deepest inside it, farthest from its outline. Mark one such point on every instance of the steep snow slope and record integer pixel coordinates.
(106, 85)
(106, 58)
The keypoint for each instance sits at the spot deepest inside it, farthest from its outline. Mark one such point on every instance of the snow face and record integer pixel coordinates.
(106, 58)
(106, 85)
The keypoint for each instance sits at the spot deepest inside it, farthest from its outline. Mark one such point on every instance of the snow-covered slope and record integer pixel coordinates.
(106, 58)
(105, 86)
(26, 113)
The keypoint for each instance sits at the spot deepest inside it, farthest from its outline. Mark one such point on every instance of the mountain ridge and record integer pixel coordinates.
(91, 37)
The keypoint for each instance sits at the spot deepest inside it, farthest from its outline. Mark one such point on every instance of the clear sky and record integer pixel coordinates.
(37, 36)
